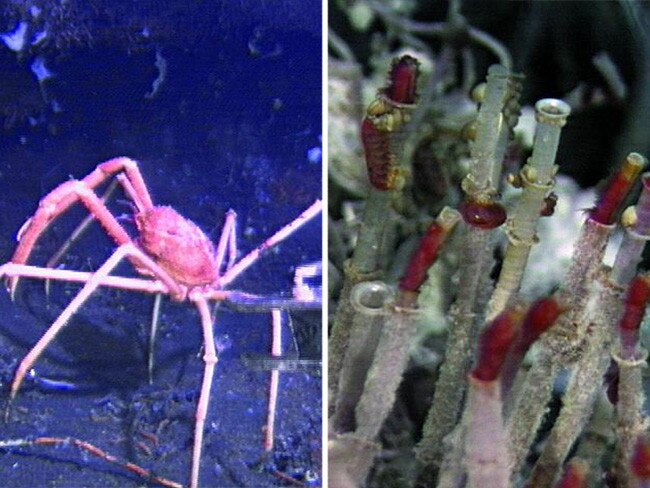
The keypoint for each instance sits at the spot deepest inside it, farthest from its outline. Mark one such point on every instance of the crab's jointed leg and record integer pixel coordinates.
(210, 358)
(125, 251)
(130, 167)
(78, 232)
(227, 241)
(276, 351)
(312, 211)
(68, 193)
(123, 283)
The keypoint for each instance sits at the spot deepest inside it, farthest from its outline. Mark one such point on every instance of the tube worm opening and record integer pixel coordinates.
(371, 297)
(552, 111)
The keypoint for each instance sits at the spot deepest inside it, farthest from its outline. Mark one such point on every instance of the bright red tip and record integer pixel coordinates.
(403, 79)
(617, 189)
(638, 294)
(495, 343)
(380, 160)
(484, 215)
(540, 317)
(427, 251)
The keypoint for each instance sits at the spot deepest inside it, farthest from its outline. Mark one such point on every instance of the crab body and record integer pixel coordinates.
(178, 245)
(172, 253)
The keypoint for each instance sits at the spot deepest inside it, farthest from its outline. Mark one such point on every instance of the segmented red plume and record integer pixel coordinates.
(637, 297)
(402, 80)
(540, 317)
(380, 160)
(638, 294)
(427, 251)
(617, 189)
(495, 343)
(384, 117)
(484, 215)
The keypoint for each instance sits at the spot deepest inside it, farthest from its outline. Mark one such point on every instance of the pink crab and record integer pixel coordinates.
(171, 253)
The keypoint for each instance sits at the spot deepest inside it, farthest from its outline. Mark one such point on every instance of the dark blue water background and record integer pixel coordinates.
(236, 124)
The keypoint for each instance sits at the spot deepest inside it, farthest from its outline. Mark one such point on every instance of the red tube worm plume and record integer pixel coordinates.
(617, 189)
(541, 315)
(427, 251)
(495, 343)
(640, 462)
(575, 475)
(380, 160)
(486, 214)
(384, 116)
(638, 294)
(402, 80)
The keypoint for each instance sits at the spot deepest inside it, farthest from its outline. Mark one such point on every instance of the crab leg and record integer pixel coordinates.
(68, 193)
(92, 284)
(276, 351)
(239, 267)
(227, 241)
(98, 209)
(108, 168)
(210, 358)
(121, 282)
(131, 192)
(95, 280)
(51, 207)
(129, 189)
(236, 300)
(78, 232)
(153, 332)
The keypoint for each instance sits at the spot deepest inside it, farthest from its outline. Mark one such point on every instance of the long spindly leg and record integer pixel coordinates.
(62, 197)
(210, 358)
(155, 317)
(123, 283)
(130, 167)
(128, 250)
(276, 351)
(89, 219)
(106, 170)
(51, 207)
(95, 206)
(76, 234)
(227, 244)
(83, 295)
(239, 267)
